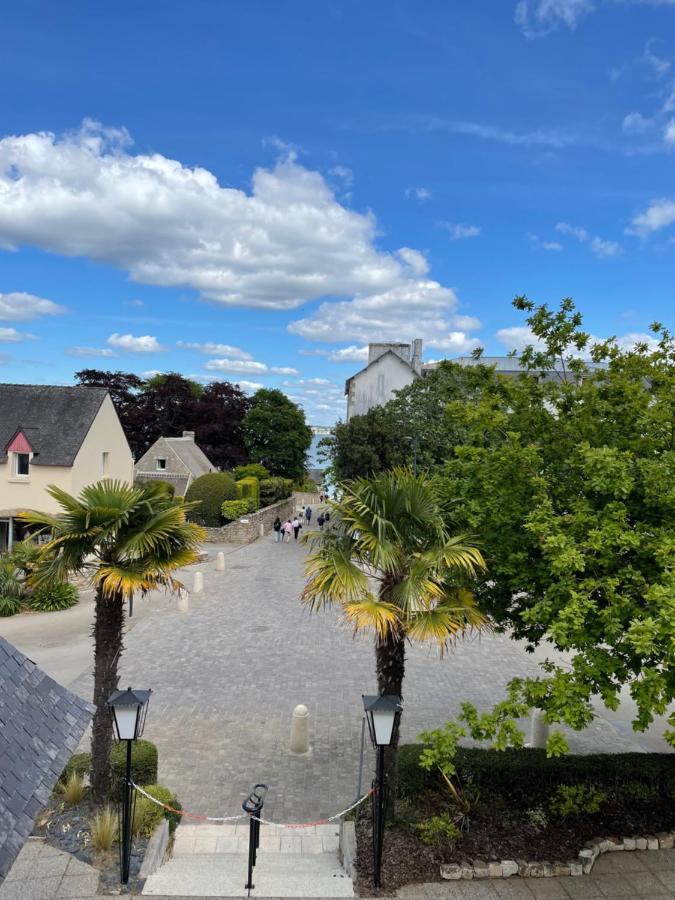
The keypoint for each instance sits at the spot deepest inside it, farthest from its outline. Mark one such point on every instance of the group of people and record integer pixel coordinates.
(284, 530)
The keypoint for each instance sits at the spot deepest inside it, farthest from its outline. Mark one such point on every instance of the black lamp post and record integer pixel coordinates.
(382, 713)
(128, 710)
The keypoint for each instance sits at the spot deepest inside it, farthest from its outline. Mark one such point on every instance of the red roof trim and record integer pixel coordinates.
(19, 444)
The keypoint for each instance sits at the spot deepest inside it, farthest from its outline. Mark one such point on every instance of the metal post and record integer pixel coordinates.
(363, 737)
(379, 799)
(253, 806)
(126, 820)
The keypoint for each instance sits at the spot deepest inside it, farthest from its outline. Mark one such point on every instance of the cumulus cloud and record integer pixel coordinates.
(604, 248)
(414, 260)
(536, 241)
(458, 231)
(129, 343)
(91, 351)
(211, 349)
(537, 18)
(601, 248)
(248, 367)
(659, 214)
(519, 337)
(250, 387)
(656, 63)
(343, 354)
(636, 123)
(669, 133)
(21, 307)
(285, 243)
(12, 336)
(418, 193)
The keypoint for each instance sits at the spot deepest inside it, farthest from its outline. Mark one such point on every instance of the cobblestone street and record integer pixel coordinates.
(227, 673)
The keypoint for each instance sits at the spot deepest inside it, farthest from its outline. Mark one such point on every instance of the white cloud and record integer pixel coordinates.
(517, 338)
(574, 230)
(91, 351)
(344, 174)
(130, 343)
(236, 366)
(536, 241)
(287, 242)
(21, 307)
(657, 64)
(307, 381)
(419, 193)
(537, 18)
(636, 123)
(600, 247)
(421, 308)
(345, 354)
(210, 349)
(250, 387)
(459, 231)
(12, 336)
(546, 137)
(659, 214)
(283, 370)
(414, 260)
(454, 342)
(669, 133)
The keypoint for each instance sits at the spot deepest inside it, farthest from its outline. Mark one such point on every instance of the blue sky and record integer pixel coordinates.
(253, 191)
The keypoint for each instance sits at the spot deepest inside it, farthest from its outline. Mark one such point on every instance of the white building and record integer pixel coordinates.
(390, 368)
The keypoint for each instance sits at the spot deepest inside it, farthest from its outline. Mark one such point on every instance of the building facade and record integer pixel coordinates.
(66, 436)
(176, 460)
(390, 368)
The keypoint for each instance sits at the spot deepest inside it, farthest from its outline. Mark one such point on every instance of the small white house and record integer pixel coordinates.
(390, 368)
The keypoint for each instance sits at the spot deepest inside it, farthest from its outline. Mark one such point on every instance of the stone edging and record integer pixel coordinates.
(154, 852)
(582, 865)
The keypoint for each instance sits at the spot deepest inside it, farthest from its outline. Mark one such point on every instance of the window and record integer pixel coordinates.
(21, 464)
(160, 464)
(105, 461)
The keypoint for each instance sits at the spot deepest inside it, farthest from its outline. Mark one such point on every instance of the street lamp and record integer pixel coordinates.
(382, 713)
(128, 710)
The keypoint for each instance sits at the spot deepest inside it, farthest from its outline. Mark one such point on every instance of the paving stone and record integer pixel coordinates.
(77, 886)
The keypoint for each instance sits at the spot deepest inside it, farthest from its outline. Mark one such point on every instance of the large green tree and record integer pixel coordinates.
(122, 539)
(276, 434)
(569, 482)
(364, 446)
(392, 566)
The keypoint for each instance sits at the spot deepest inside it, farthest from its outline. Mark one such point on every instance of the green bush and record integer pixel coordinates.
(168, 487)
(50, 598)
(164, 795)
(78, 764)
(210, 490)
(234, 509)
(306, 485)
(272, 490)
(518, 776)
(11, 587)
(147, 815)
(438, 830)
(24, 554)
(249, 489)
(143, 765)
(575, 799)
(251, 470)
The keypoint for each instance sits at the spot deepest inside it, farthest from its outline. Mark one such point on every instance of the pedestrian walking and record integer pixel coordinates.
(297, 525)
(277, 530)
(288, 528)
(327, 517)
(320, 520)
(308, 514)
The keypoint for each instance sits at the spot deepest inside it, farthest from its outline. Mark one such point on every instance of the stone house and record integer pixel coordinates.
(176, 460)
(67, 436)
(390, 368)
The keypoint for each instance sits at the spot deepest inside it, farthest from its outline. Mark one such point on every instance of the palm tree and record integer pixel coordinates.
(393, 568)
(123, 539)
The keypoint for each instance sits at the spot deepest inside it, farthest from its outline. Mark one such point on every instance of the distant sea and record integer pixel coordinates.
(313, 453)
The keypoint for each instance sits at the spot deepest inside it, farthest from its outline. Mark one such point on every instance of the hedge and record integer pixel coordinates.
(211, 490)
(147, 815)
(143, 765)
(234, 509)
(521, 775)
(272, 490)
(249, 489)
(255, 470)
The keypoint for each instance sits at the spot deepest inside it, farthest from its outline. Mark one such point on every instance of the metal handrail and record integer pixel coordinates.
(253, 806)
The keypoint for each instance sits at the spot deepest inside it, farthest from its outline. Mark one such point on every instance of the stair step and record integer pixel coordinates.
(275, 875)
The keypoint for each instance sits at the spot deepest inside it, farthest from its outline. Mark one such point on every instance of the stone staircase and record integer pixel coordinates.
(211, 861)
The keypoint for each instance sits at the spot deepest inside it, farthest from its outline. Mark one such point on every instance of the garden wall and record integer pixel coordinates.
(247, 529)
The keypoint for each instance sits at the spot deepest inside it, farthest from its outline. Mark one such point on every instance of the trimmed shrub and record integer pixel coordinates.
(164, 795)
(272, 490)
(249, 489)
(251, 470)
(53, 597)
(24, 554)
(168, 487)
(306, 485)
(143, 765)
(211, 490)
(234, 509)
(11, 587)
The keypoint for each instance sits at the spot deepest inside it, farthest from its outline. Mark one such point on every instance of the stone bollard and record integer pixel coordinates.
(539, 730)
(262, 530)
(220, 561)
(198, 585)
(300, 730)
(183, 602)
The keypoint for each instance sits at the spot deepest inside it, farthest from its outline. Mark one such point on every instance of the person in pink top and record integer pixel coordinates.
(288, 530)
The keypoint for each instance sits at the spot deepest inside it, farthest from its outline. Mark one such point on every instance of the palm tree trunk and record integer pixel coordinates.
(107, 632)
(390, 666)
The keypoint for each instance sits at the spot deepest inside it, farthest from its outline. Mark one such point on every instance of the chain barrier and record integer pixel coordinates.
(290, 825)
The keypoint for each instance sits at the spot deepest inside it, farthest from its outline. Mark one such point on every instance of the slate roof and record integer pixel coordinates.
(41, 724)
(54, 419)
(192, 455)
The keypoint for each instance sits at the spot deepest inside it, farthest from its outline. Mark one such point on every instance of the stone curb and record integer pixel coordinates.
(154, 852)
(582, 865)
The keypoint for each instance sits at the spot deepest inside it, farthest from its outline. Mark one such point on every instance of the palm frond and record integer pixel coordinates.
(371, 613)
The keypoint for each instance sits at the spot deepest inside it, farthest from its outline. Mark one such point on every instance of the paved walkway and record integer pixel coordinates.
(227, 673)
(42, 872)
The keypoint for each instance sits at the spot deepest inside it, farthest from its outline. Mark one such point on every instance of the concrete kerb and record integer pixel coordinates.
(154, 852)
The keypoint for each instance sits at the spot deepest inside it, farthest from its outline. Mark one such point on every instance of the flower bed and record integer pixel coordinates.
(541, 816)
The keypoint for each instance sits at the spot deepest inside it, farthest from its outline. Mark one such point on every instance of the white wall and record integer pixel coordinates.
(31, 493)
(375, 386)
(105, 435)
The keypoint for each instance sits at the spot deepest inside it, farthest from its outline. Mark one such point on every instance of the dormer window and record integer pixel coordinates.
(21, 465)
(160, 464)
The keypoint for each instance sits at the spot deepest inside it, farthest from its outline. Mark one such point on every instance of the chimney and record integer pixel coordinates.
(190, 435)
(416, 361)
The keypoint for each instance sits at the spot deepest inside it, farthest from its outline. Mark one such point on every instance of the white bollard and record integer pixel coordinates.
(183, 602)
(220, 561)
(198, 585)
(539, 730)
(300, 730)
(262, 530)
